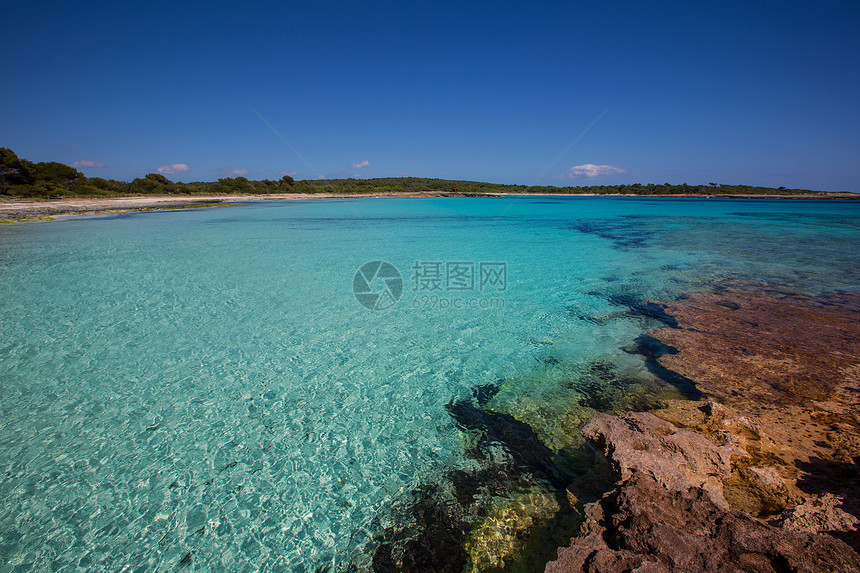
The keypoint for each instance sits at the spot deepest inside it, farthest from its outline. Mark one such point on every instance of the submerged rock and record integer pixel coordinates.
(480, 520)
(520, 501)
(501, 540)
(517, 440)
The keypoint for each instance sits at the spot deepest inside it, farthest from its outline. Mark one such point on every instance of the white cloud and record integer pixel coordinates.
(290, 173)
(592, 170)
(86, 163)
(361, 164)
(234, 172)
(173, 168)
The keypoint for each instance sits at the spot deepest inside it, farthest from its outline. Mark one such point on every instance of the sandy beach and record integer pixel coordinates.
(26, 209)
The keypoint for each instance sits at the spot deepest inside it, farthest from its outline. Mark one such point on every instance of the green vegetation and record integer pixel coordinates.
(417, 185)
(22, 178)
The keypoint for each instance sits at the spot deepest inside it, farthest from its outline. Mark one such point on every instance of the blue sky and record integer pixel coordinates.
(557, 93)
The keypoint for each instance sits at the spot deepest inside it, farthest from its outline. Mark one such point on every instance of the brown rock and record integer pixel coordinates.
(820, 515)
(643, 526)
(781, 428)
(677, 459)
(747, 347)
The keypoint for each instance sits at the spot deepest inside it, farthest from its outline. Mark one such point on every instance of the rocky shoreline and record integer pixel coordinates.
(763, 474)
(748, 463)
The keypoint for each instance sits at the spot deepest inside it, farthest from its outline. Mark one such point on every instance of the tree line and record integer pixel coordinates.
(23, 178)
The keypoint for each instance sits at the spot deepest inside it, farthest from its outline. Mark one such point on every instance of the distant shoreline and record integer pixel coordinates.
(23, 210)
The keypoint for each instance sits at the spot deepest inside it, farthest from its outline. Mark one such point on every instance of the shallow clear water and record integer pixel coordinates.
(202, 388)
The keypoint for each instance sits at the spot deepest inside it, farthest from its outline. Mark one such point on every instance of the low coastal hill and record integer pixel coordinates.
(20, 178)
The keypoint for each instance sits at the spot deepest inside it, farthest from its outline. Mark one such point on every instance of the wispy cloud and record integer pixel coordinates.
(592, 170)
(290, 173)
(361, 164)
(234, 172)
(86, 163)
(173, 168)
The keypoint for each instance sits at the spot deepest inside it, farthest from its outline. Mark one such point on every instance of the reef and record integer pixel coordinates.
(510, 510)
(529, 472)
(761, 474)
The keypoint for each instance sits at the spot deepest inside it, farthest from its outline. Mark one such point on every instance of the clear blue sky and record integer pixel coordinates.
(761, 92)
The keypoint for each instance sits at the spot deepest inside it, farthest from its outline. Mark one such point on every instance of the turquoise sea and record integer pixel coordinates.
(202, 390)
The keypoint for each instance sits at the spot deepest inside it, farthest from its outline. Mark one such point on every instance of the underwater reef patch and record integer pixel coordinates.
(530, 476)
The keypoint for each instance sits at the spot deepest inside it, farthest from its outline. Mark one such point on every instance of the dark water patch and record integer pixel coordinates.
(435, 542)
(628, 232)
(445, 525)
(652, 349)
(649, 347)
(655, 311)
(632, 304)
(623, 234)
(440, 517)
(185, 561)
(594, 398)
(638, 307)
(601, 387)
(622, 299)
(602, 367)
(485, 392)
(843, 300)
(728, 304)
(436, 527)
(515, 438)
(576, 313)
(676, 267)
